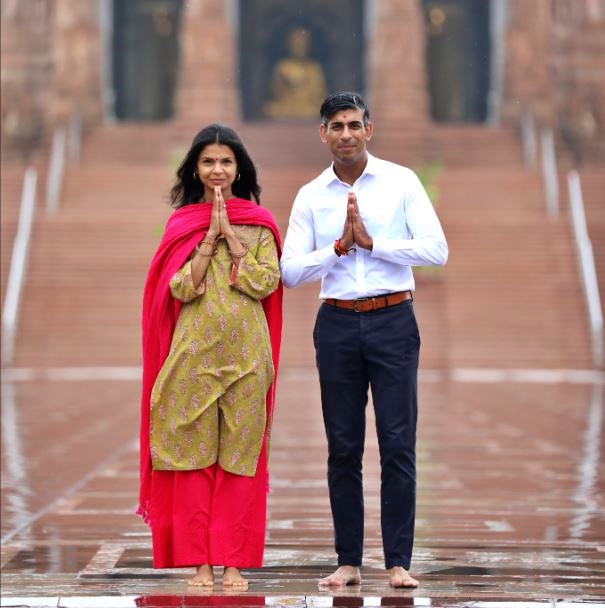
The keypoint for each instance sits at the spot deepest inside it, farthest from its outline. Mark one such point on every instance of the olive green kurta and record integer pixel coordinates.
(208, 403)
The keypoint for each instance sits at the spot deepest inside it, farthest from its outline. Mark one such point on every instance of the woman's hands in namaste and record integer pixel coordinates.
(219, 220)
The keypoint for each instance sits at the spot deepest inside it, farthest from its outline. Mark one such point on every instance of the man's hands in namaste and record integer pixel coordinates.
(354, 231)
(219, 220)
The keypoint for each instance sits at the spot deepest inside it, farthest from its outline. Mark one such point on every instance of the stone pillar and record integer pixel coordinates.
(398, 89)
(76, 47)
(26, 70)
(208, 89)
(526, 82)
(577, 70)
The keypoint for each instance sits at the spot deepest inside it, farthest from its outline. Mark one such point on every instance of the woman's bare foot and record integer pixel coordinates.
(232, 578)
(400, 577)
(204, 577)
(344, 575)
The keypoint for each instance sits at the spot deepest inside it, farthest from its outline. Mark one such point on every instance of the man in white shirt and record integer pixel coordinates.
(359, 227)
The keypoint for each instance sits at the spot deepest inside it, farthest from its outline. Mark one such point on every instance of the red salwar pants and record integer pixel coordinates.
(209, 516)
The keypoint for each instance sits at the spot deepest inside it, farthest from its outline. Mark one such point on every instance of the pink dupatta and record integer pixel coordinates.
(184, 229)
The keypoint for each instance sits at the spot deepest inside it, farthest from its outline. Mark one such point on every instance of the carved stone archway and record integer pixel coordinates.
(145, 58)
(337, 44)
(458, 59)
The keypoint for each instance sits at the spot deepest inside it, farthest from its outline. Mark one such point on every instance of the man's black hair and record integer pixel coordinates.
(343, 100)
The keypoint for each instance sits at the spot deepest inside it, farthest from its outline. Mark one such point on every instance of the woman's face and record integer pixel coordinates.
(216, 166)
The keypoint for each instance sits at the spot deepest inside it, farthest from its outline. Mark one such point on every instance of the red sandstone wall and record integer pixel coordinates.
(26, 72)
(76, 60)
(51, 54)
(578, 77)
(526, 69)
(555, 64)
(50, 66)
(397, 82)
(208, 81)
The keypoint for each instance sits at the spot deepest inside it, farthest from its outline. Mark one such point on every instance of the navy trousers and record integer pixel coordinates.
(355, 352)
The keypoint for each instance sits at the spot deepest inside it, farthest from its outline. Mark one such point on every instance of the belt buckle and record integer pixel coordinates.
(359, 300)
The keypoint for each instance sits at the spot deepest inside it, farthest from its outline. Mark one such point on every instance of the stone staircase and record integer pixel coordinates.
(513, 295)
(509, 296)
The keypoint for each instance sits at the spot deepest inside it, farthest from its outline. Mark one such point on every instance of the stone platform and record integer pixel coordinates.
(511, 510)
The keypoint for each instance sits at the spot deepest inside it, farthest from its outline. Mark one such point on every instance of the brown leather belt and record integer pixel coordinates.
(373, 303)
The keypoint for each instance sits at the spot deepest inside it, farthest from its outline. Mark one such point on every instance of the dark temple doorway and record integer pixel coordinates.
(145, 58)
(458, 59)
(293, 53)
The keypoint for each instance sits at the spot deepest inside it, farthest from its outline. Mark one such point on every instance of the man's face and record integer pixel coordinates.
(346, 135)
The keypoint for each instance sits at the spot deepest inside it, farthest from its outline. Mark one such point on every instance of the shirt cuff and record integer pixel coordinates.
(379, 248)
(326, 256)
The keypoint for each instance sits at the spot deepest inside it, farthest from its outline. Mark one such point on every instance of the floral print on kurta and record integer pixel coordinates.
(208, 403)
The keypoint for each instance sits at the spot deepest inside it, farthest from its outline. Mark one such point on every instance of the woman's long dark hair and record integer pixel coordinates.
(188, 188)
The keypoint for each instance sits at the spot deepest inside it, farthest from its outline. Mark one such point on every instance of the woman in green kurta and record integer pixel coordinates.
(211, 337)
(221, 346)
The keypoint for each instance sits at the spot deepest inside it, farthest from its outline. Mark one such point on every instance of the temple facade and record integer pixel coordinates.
(417, 62)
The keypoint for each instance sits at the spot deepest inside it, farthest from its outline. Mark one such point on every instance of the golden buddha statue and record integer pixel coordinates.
(298, 85)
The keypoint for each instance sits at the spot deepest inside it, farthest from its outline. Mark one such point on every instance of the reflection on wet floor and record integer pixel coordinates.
(157, 601)
(52, 558)
(134, 558)
(249, 601)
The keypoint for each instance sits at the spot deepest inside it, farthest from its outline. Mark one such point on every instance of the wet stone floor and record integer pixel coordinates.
(511, 499)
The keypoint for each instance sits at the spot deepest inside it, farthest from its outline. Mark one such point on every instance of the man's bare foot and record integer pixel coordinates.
(400, 577)
(204, 577)
(344, 575)
(232, 578)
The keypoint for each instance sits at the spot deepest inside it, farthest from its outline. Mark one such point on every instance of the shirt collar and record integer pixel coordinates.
(329, 176)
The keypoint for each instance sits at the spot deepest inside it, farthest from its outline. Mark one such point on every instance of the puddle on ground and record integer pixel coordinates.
(51, 559)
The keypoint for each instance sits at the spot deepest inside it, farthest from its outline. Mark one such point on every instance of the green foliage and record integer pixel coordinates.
(176, 157)
(174, 161)
(429, 174)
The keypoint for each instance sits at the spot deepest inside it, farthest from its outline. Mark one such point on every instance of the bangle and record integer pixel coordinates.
(339, 249)
(241, 254)
(207, 255)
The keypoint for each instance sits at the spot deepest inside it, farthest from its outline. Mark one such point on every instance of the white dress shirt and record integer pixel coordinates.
(397, 214)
